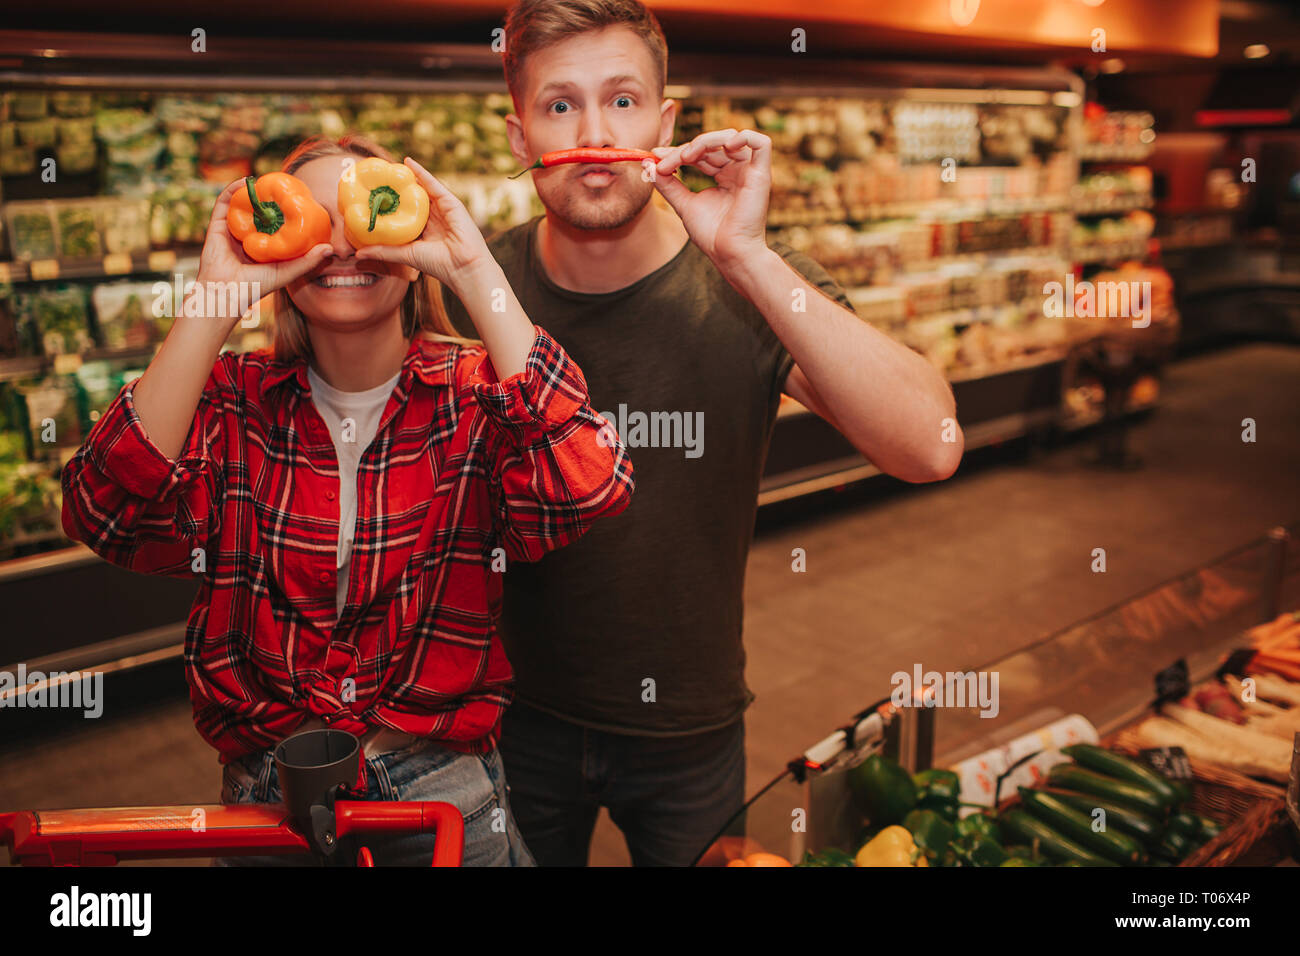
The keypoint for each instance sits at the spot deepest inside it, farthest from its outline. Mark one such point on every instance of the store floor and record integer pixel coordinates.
(948, 575)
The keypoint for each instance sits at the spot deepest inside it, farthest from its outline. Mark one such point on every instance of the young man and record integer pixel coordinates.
(688, 326)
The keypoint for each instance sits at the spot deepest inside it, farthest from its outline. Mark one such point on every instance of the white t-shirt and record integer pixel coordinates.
(364, 409)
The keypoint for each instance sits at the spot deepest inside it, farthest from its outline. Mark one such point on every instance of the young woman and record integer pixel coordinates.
(348, 500)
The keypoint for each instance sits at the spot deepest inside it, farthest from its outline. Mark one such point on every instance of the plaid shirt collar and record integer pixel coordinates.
(431, 368)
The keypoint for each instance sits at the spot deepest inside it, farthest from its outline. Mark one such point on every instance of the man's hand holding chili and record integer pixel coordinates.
(729, 221)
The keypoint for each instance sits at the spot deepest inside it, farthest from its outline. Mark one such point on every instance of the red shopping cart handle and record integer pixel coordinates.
(105, 836)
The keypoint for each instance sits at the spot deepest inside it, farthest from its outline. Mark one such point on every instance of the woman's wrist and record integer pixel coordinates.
(220, 301)
(480, 279)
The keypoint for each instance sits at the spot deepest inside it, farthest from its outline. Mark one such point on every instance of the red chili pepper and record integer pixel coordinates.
(588, 155)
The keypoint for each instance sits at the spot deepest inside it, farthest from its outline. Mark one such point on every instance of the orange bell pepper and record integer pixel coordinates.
(284, 222)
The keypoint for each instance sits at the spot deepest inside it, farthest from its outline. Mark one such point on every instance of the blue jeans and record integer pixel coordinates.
(474, 784)
(669, 795)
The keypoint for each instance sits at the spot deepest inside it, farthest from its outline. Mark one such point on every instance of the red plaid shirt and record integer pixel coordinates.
(462, 464)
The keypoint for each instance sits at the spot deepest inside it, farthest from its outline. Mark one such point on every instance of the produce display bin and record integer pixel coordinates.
(1097, 674)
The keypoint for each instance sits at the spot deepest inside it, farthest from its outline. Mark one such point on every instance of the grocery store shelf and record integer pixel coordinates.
(1111, 252)
(1119, 204)
(12, 369)
(1099, 153)
(106, 657)
(816, 478)
(61, 560)
(842, 471)
(1032, 360)
(97, 267)
(861, 215)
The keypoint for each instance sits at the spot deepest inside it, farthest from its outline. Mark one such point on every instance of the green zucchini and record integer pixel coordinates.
(1077, 826)
(1184, 824)
(1019, 825)
(1173, 846)
(1122, 818)
(1209, 829)
(1122, 768)
(1181, 788)
(1072, 777)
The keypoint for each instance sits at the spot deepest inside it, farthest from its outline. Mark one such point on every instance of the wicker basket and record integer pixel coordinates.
(1246, 808)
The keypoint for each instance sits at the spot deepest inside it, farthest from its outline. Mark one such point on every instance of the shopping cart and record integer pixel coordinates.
(318, 770)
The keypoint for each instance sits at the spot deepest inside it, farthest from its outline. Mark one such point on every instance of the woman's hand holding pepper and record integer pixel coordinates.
(229, 282)
(450, 249)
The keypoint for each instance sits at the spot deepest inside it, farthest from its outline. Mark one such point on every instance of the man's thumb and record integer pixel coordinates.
(673, 190)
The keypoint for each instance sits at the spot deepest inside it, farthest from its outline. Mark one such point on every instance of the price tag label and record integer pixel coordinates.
(117, 264)
(1173, 683)
(42, 269)
(1237, 661)
(67, 363)
(1170, 761)
(162, 260)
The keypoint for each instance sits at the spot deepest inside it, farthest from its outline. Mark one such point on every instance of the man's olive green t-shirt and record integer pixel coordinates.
(636, 626)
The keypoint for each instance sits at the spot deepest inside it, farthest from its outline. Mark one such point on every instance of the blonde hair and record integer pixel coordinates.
(532, 25)
(422, 310)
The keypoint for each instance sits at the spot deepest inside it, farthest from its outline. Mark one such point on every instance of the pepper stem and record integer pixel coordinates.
(536, 165)
(266, 215)
(383, 200)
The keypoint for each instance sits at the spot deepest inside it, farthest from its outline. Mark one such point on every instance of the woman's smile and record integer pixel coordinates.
(345, 280)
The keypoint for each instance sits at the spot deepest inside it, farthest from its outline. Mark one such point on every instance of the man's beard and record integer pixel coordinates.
(611, 211)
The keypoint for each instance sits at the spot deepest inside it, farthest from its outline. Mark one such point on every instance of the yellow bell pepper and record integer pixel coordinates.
(892, 846)
(382, 203)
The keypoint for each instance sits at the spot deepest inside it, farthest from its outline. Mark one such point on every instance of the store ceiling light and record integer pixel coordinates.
(1256, 51)
(1113, 65)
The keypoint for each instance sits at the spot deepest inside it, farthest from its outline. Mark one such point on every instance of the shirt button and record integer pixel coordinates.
(324, 576)
(329, 496)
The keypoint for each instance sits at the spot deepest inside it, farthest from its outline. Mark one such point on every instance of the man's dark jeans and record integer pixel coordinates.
(669, 795)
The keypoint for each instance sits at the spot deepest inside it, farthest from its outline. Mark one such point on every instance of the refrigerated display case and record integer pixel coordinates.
(1089, 683)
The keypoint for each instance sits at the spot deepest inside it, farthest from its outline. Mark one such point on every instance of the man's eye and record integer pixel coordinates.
(560, 107)
(624, 101)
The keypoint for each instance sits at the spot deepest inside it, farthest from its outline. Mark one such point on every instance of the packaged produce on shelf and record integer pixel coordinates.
(28, 104)
(1113, 238)
(54, 409)
(1116, 134)
(16, 159)
(39, 133)
(494, 203)
(30, 502)
(124, 315)
(124, 224)
(72, 103)
(1117, 188)
(54, 316)
(101, 381)
(31, 229)
(78, 230)
(12, 344)
(132, 145)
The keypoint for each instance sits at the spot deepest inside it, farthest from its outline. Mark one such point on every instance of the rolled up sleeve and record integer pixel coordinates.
(559, 465)
(135, 507)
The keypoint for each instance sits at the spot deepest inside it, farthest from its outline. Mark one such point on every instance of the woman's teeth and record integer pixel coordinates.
(345, 282)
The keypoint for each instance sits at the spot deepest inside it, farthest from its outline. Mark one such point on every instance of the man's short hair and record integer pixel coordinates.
(532, 25)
